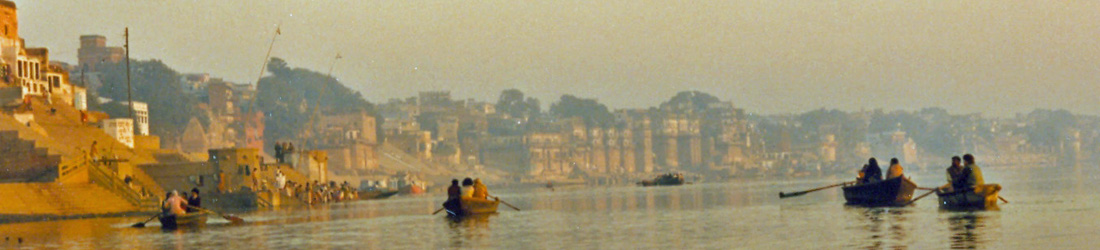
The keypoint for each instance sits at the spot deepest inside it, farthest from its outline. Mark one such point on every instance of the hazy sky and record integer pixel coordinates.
(996, 57)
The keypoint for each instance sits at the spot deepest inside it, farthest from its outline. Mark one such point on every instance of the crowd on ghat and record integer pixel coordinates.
(959, 176)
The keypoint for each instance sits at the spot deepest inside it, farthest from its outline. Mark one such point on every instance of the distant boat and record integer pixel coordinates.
(414, 188)
(982, 197)
(190, 220)
(376, 194)
(890, 192)
(664, 180)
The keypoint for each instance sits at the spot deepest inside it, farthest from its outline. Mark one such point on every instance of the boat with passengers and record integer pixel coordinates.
(890, 192)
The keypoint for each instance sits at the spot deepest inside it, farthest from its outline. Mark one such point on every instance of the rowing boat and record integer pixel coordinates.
(472, 206)
(890, 192)
(196, 219)
(980, 197)
(664, 180)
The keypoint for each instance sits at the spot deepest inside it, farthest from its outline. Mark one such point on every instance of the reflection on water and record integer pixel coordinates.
(879, 225)
(1045, 212)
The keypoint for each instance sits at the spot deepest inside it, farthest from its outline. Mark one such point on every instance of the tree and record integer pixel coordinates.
(156, 84)
(290, 96)
(592, 112)
(512, 103)
(695, 101)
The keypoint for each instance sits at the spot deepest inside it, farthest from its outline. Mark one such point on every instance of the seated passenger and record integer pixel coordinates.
(480, 190)
(972, 173)
(467, 188)
(895, 169)
(871, 172)
(955, 178)
(175, 204)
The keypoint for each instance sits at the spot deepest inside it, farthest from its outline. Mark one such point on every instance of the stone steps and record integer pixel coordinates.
(58, 199)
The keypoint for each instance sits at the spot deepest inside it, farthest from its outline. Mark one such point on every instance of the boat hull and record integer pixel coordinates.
(472, 206)
(889, 192)
(180, 221)
(982, 197)
(376, 194)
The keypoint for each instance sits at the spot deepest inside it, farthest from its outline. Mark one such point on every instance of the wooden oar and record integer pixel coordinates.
(142, 224)
(230, 218)
(785, 195)
(437, 211)
(1002, 198)
(506, 203)
(921, 196)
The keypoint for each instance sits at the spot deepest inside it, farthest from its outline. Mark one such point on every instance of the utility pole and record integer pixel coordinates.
(129, 92)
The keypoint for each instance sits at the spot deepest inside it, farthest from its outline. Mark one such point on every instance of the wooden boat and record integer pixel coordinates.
(474, 206)
(889, 192)
(196, 219)
(411, 189)
(664, 180)
(981, 197)
(376, 194)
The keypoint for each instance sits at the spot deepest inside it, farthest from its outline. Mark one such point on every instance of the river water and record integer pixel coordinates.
(1049, 209)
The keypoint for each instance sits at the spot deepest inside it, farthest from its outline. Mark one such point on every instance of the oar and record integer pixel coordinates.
(437, 211)
(142, 224)
(785, 195)
(921, 196)
(230, 218)
(1002, 198)
(506, 203)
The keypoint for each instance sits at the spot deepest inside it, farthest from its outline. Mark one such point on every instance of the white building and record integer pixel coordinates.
(141, 114)
(121, 129)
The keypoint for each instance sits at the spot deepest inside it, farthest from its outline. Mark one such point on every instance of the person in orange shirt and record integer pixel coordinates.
(895, 169)
(480, 190)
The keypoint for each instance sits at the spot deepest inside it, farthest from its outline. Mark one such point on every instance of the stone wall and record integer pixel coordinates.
(21, 161)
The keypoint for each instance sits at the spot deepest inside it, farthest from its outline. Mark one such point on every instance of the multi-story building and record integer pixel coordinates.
(141, 118)
(93, 51)
(122, 129)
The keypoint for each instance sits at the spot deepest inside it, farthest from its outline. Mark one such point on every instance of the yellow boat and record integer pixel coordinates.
(475, 206)
(980, 197)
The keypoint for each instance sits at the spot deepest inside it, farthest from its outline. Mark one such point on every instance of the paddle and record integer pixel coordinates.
(230, 218)
(921, 196)
(1002, 199)
(437, 211)
(142, 224)
(506, 203)
(799, 193)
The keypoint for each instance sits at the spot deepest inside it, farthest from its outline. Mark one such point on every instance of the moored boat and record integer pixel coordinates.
(889, 192)
(376, 194)
(664, 180)
(980, 197)
(196, 219)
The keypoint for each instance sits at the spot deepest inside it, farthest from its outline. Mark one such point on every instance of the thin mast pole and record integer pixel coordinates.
(266, 58)
(129, 92)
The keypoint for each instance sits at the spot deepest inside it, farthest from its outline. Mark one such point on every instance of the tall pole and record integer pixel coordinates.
(264, 66)
(317, 108)
(129, 93)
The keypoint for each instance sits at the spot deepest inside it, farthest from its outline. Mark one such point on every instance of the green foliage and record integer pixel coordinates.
(1051, 127)
(156, 84)
(290, 96)
(592, 112)
(512, 102)
(690, 100)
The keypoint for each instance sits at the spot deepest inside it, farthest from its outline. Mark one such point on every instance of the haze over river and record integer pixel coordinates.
(1049, 209)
